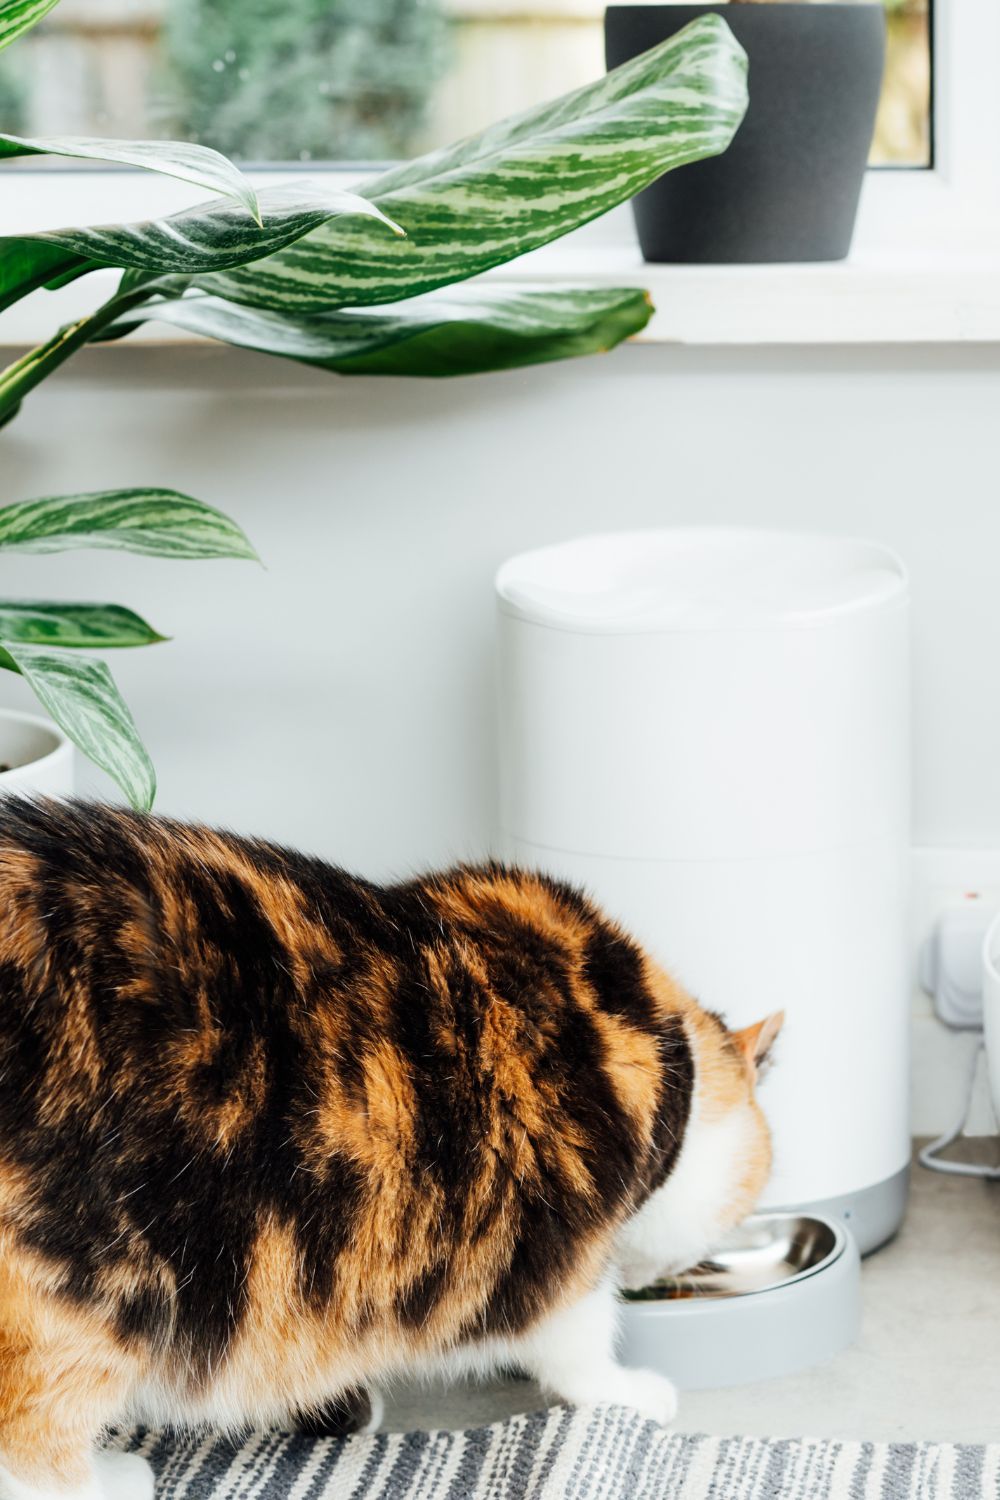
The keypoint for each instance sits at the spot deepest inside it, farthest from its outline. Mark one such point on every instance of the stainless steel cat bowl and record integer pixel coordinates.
(782, 1294)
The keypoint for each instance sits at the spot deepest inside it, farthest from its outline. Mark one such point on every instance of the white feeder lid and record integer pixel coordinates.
(698, 579)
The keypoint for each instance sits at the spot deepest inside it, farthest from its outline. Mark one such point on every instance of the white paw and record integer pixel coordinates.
(18, 1489)
(652, 1395)
(637, 1272)
(123, 1476)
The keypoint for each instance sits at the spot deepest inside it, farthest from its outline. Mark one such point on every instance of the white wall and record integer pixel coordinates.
(342, 699)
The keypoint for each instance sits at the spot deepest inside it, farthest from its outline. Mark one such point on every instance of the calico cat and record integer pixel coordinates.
(270, 1134)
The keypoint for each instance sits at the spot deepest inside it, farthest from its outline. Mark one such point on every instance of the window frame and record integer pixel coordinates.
(950, 207)
(956, 201)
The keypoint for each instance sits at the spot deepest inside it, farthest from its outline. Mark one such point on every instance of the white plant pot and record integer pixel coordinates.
(39, 757)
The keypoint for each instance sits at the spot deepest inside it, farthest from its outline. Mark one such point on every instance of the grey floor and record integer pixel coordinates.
(927, 1364)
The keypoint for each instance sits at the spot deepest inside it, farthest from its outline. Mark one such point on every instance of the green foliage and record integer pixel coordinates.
(80, 694)
(41, 640)
(322, 276)
(516, 186)
(152, 522)
(457, 332)
(18, 16)
(472, 206)
(35, 622)
(212, 236)
(195, 164)
(303, 80)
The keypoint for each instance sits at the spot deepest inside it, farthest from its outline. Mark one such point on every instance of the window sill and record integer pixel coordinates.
(942, 296)
(874, 298)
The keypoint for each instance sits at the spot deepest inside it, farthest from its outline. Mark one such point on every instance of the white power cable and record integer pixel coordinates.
(929, 1156)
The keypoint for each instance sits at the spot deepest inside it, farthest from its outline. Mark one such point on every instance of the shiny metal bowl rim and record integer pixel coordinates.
(664, 1305)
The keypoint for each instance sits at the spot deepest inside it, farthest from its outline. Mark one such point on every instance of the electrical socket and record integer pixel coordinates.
(956, 897)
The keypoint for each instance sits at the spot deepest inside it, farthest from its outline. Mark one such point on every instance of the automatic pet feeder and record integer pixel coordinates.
(709, 729)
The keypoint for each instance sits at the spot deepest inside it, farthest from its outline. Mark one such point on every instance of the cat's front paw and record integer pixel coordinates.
(651, 1394)
(637, 1275)
(12, 1488)
(123, 1476)
(113, 1476)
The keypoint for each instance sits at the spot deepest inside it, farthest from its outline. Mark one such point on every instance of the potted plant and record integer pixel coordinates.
(788, 188)
(36, 757)
(358, 283)
(304, 270)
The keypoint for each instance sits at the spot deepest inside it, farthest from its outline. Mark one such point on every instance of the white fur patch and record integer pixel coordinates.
(115, 1476)
(123, 1476)
(686, 1217)
(16, 1489)
(572, 1354)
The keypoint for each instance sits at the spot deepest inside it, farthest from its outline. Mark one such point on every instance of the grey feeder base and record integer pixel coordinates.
(873, 1214)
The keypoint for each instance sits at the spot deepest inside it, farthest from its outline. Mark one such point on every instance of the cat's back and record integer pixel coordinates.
(129, 904)
(171, 981)
(182, 963)
(229, 1070)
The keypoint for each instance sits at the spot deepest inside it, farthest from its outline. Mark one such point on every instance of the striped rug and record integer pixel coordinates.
(602, 1453)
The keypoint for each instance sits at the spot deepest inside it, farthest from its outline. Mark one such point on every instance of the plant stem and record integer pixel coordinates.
(32, 368)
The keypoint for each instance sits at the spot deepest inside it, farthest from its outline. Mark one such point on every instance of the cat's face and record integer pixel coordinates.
(724, 1162)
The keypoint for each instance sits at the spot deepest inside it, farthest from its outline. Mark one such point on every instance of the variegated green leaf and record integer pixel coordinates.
(80, 694)
(17, 16)
(159, 523)
(464, 331)
(98, 626)
(24, 267)
(517, 185)
(211, 235)
(199, 165)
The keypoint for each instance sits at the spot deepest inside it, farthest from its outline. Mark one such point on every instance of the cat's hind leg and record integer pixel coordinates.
(62, 1380)
(74, 1473)
(572, 1354)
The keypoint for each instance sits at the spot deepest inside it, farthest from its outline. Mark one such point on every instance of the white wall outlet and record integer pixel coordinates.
(956, 898)
(947, 881)
(951, 961)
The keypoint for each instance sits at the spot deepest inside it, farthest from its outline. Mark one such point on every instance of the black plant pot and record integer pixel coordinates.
(787, 189)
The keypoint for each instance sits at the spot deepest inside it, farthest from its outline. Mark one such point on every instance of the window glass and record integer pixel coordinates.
(349, 80)
(904, 124)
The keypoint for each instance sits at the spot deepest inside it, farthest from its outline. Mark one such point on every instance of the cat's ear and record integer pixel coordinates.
(755, 1042)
